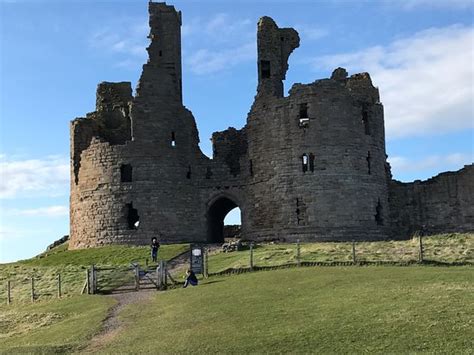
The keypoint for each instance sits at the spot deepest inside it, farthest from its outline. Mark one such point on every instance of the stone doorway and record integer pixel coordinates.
(216, 212)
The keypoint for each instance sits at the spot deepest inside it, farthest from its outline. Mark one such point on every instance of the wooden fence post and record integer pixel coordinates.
(354, 260)
(158, 276)
(59, 285)
(93, 280)
(420, 252)
(206, 263)
(137, 277)
(165, 274)
(251, 256)
(9, 300)
(32, 289)
(88, 282)
(298, 252)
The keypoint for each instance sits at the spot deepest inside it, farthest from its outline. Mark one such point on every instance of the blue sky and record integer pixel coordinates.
(420, 53)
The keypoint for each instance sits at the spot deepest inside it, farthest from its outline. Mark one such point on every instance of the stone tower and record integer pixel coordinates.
(309, 166)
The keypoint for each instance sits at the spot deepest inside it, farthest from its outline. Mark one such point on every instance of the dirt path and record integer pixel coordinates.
(112, 325)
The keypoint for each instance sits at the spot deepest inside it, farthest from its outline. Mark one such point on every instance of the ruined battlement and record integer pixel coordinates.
(310, 166)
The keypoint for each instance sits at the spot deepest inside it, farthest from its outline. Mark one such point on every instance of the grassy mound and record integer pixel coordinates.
(309, 310)
(52, 326)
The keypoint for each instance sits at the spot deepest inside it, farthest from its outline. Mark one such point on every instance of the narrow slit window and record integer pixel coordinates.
(369, 171)
(311, 162)
(304, 162)
(378, 214)
(161, 53)
(265, 69)
(251, 167)
(126, 173)
(208, 173)
(365, 121)
(188, 174)
(173, 139)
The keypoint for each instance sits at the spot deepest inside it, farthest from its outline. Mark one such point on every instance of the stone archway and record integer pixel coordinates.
(217, 209)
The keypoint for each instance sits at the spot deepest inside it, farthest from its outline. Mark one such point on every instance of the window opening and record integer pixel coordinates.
(188, 174)
(311, 162)
(126, 173)
(208, 173)
(133, 219)
(173, 139)
(251, 167)
(304, 161)
(265, 69)
(368, 163)
(378, 214)
(365, 121)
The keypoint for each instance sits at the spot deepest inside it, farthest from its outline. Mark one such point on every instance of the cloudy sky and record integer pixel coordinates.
(420, 53)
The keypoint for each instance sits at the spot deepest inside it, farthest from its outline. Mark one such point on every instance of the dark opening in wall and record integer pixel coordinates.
(188, 174)
(265, 69)
(161, 53)
(126, 173)
(304, 110)
(378, 214)
(311, 162)
(173, 139)
(304, 162)
(208, 173)
(368, 163)
(365, 121)
(251, 167)
(133, 219)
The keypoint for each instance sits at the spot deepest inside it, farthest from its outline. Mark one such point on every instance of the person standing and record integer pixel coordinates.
(155, 245)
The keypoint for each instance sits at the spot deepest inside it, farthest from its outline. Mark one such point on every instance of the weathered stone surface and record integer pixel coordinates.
(309, 166)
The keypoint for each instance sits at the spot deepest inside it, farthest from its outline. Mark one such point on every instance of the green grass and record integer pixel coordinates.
(375, 309)
(52, 326)
(447, 248)
(71, 264)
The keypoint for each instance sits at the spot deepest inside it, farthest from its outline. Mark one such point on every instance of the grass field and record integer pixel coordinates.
(53, 326)
(71, 264)
(317, 310)
(445, 248)
(312, 309)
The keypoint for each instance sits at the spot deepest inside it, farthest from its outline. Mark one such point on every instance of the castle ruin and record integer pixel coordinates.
(309, 166)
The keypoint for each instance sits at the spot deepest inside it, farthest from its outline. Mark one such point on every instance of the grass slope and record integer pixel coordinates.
(310, 310)
(52, 326)
(71, 264)
(446, 248)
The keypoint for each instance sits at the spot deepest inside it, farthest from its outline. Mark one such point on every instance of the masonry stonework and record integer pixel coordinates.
(309, 166)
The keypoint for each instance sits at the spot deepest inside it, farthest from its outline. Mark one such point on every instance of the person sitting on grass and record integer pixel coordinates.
(191, 278)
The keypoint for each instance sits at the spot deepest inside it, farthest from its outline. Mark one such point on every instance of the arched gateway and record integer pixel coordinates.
(217, 209)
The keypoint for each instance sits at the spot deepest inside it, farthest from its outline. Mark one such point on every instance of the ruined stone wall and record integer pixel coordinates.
(444, 203)
(309, 166)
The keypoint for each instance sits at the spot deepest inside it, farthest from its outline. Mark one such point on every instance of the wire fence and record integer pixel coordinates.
(19, 283)
(418, 250)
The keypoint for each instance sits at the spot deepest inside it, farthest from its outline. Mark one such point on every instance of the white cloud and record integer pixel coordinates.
(206, 61)
(447, 162)
(426, 81)
(309, 32)
(33, 177)
(50, 211)
(127, 38)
